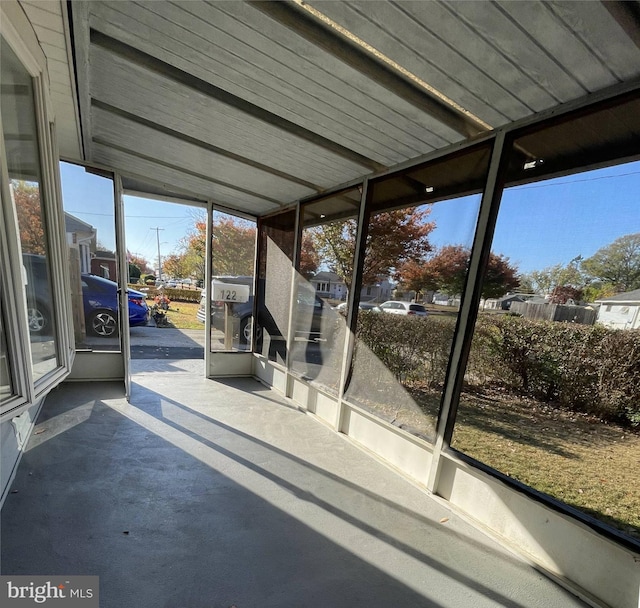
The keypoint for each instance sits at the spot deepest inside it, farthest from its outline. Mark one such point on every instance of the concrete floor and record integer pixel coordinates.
(209, 494)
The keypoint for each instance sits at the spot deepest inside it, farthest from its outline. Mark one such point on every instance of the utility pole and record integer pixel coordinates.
(159, 261)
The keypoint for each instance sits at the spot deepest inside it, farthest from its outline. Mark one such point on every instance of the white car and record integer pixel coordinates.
(398, 307)
(362, 306)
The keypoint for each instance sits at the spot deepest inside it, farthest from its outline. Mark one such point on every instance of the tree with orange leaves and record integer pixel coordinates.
(394, 238)
(446, 271)
(29, 210)
(309, 257)
(233, 247)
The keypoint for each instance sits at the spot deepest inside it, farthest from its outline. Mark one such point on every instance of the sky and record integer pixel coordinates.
(551, 222)
(539, 224)
(90, 198)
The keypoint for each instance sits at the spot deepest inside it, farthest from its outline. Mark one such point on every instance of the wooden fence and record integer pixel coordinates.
(555, 312)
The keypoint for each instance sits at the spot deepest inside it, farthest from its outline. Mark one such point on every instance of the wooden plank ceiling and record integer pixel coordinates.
(257, 104)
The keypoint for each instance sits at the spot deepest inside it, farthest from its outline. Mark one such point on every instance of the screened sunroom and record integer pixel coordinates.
(409, 398)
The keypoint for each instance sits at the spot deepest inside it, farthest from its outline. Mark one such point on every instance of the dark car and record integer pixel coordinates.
(217, 308)
(314, 319)
(99, 297)
(312, 314)
(38, 294)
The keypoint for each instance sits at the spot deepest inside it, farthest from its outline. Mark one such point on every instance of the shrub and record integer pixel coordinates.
(591, 369)
(174, 295)
(182, 295)
(411, 348)
(618, 380)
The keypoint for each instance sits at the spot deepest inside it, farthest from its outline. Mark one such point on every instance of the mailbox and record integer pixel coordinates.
(229, 293)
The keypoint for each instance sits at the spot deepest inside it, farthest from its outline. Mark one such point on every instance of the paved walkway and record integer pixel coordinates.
(151, 335)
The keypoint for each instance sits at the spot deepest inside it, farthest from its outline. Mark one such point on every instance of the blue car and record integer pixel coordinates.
(100, 298)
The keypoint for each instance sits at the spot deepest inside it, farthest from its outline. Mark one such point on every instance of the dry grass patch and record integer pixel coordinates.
(586, 463)
(583, 461)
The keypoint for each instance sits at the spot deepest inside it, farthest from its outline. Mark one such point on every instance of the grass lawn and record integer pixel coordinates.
(576, 458)
(182, 315)
(587, 463)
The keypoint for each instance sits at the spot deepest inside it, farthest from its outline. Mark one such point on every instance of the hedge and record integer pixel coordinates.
(411, 348)
(592, 369)
(174, 295)
(588, 368)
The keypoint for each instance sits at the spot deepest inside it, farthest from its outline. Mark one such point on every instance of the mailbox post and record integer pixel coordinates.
(230, 294)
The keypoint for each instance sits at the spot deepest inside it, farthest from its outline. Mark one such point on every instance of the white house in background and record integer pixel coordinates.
(503, 303)
(329, 285)
(442, 299)
(621, 311)
(380, 292)
(82, 237)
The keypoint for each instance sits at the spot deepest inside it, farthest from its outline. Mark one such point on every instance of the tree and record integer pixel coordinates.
(309, 257)
(175, 265)
(193, 246)
(134, 273)
(617, 264)
(234, 244)
(233, 249)
(561, 294)
(446, 271)
(394, 238)
(525, 284)
(598, 291)
(500, 278)
(29, 211)
(546, 280)
(140, 262)
(416, 276)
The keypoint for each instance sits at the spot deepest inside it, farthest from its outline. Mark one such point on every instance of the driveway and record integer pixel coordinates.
(151, 342)
(166, 343)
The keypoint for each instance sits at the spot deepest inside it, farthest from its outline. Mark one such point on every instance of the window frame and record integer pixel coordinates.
(497, 183)
(500, 140)
(27, 392)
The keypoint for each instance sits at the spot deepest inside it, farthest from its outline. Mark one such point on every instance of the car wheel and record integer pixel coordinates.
(37, 318)
(246, 328)
(103, 324)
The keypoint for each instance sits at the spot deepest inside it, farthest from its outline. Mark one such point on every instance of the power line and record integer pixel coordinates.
(148, 217)
(575, 181)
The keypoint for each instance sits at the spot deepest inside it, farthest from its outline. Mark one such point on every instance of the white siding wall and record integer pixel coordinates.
(620, 316)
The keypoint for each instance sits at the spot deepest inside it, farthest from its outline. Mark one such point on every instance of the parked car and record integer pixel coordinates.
(398, 307)
(369, 306)
(38, 294)
(312, 318)
(217, 307)
(99, 297)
